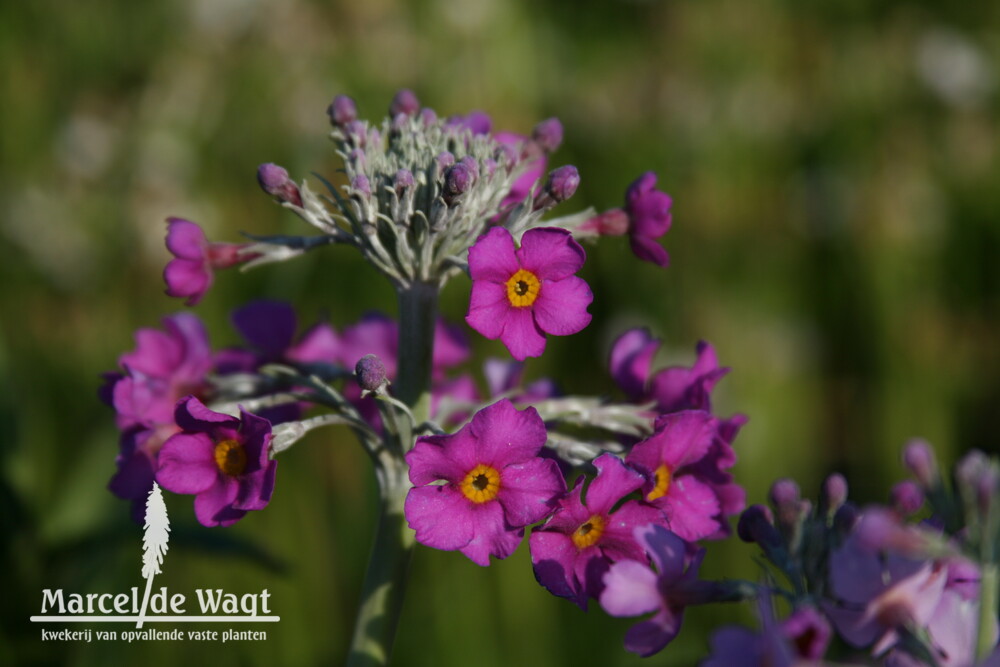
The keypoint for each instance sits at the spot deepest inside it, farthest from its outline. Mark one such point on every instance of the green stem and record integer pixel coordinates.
(388, 567)
(987, 610)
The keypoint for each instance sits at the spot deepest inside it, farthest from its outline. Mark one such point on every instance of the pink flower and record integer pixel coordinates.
(495, 483)
(222, 460)
(190, 273)
(519, 295)
(649, 218)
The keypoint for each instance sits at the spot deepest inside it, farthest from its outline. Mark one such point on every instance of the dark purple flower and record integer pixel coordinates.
(631, 588)
(803, 636)
(495, 484)
(670, 459)
(519, 295)
(269, 327)
(191, 272)
(222, 460)
(648, 212)
(575, 547)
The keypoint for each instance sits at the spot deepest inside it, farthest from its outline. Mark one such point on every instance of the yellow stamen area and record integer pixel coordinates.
(589, 532)
(522, 288)
(230, 457)
(481, 484)
(662, 484)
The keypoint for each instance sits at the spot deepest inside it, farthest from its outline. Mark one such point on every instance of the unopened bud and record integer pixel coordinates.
(361, 185)
(274, 181)
(457, 180)
(834, 493)
(919, 457)
(405, 102)
(444, 160)
(472, 165)
(342, 111)
(403, 179)
(906, 498)
(548, 134)
(370, 372)
(428, 116)
(756, 524)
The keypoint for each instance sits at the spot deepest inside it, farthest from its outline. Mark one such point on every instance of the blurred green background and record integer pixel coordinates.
(835, 172)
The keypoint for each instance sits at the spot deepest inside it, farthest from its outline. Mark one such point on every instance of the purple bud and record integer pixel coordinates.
(563, 182)
(444, 159)
(784, 492)
(342, 111)
(918, 456)
(370, 372)
(756, 524)
(428, 116)
(489, 167)
(405, 102)
(906, 497)
(274, 181)
(361, 185)
(834, 493)
(472, 165)
(548, 134)
(402, 179)
(357, 158)
(457, 180)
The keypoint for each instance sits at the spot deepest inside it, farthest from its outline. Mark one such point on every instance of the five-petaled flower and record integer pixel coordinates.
(220, 459)
(495, 483)
(575, 547)
(519, 295)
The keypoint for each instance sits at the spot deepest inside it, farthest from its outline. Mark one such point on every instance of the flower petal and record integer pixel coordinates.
(187, 278)
(691, 508)
(492, 257)
(441, 516)
(651, 636)
(319, 344)
(492, 537)
(528, 490)
(431, 460)
(561, 306)
(631, 358)
(630, 589)
(665, 548)
(553, 558)
(214, 506)
(550, 253)
(521, 335)
(186, 463)
(506, 435)
(614, 481)
(648, 250)
(256, 489)
(186, 239)
(192, 415)
(488, 308)
(267, 325)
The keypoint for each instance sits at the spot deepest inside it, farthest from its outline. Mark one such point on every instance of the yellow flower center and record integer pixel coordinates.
(661, 482)
(589, 532)
(481, 484)
(230, 458)
(522, 288)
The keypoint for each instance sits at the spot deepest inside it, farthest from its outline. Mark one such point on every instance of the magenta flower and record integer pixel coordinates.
(495, 483)
(222, 460)
(631, 588)
(648, 212)
(190, 273)
(163, 367)
(673, 388)
(803, 636)
(519, 295)
(575, 547)
(269, 327)
(673, 459)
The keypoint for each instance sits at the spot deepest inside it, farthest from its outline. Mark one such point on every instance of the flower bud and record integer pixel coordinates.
(784, 493)
(756, 524)
(834, 493)
(472, 165)
(919, 458)
(361, 185)
(370, 372)
(404, 102)
(548, 134)
(444, 160)
(356, 132)
(342, 111)
(845, 519)
(403, 179)
(274, 181)
(428, 116)
(906, 498)
(457, 180)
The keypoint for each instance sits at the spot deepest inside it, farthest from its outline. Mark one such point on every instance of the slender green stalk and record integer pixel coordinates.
(388, 567)
(987, 610)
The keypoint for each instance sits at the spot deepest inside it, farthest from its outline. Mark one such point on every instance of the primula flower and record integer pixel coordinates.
(679, 482)
(575, 547)
(519, 295)
(645, 218)
(631, 588)
(804, 635)
(495, 483)
(269, 327)
(222, 460)
(190, 273)
(163, 367)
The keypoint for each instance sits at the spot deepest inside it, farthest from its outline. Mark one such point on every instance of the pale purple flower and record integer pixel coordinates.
(222, 460)
(520, 295)
(575, 547)
(631, 588)
(495, 484)
(191, 273)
